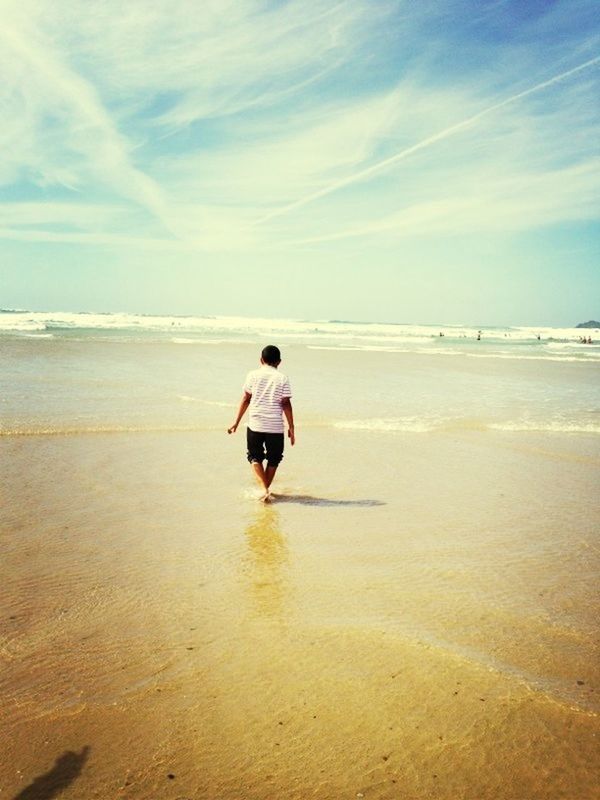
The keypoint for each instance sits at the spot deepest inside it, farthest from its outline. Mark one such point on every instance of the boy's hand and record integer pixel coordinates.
(292, 436)
(243, 406)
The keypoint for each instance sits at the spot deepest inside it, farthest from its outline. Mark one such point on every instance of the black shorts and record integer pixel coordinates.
(264, 445)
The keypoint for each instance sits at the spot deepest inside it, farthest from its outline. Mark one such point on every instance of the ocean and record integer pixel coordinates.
(414, 616)
(86, 372)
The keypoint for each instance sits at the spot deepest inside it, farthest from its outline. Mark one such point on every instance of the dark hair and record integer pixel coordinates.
(271, 355)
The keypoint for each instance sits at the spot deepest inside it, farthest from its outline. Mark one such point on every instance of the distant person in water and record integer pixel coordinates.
(268, 395)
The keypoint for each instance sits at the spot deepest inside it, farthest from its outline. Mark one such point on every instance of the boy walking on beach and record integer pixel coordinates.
(268, 395)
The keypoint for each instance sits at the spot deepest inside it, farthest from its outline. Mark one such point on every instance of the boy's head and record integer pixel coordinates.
(271, 355)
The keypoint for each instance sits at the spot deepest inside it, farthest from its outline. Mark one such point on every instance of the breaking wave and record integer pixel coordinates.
(417, 424)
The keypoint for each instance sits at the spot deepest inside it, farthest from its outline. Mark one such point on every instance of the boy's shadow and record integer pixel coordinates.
(309, 500)
(52, 783)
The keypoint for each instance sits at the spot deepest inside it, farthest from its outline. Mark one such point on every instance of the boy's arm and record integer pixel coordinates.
(286, 405)
(241, 411)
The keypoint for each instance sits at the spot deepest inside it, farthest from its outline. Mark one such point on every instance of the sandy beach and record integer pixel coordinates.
(178, 639)
(415, 616)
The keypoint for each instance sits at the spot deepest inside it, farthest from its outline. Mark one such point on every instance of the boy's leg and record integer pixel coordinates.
(260, 474)
(274, 448)
(256, 454)
(269, 475)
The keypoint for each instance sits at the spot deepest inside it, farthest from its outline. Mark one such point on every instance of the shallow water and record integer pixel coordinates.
(415, 616)
(85, 382)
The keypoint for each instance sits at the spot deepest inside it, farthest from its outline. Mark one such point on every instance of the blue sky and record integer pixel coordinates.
(370, 159)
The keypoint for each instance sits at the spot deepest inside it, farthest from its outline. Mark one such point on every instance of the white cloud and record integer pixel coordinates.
(391, 161)
(216, 58)
(312, 120)
(504, 204)
(72, 214)
(47, 81)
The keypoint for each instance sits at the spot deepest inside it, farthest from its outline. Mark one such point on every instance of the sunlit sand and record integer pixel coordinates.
(413, 615)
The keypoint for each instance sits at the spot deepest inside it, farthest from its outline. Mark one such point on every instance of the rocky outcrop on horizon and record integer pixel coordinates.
(591, 324)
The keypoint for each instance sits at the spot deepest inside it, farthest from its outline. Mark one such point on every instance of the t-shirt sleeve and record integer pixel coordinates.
(286, 389)
(249, 383)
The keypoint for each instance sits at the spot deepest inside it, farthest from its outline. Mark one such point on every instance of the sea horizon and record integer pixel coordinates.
(56, 318)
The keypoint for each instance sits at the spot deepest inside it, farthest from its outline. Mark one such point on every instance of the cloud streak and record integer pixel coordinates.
(391, 161)
(94, 132)
(517, 203)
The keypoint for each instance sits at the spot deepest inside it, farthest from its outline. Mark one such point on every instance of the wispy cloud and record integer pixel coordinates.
(510, 204)
(239, 127)
(388, 163)
(91, 132)
(75, 215)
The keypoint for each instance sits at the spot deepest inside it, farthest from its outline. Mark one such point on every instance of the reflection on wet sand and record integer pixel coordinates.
(266, 563)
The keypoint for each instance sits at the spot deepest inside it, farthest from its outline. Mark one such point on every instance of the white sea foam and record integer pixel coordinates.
(553, 333)
(453, 351)
(408, 424)
(360, 348)
(418, 424)
(393, 332)
(20, 322)
(37, 335)
(101, 429)
(439, 351)
(520, 357)
(547, 426)
(184, 340)
(189, 399)
(580, 346)
(559, 344)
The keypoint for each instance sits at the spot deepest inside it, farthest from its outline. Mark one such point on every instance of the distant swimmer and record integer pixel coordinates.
(478, 336)
(267, 394)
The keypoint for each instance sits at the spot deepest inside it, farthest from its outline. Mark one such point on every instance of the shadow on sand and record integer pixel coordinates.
(52, 783)
(308, 500)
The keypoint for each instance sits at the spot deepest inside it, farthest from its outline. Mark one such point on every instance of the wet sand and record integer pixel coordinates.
(414, 617)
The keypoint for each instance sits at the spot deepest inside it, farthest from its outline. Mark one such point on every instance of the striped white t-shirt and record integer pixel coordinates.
(268, 388)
